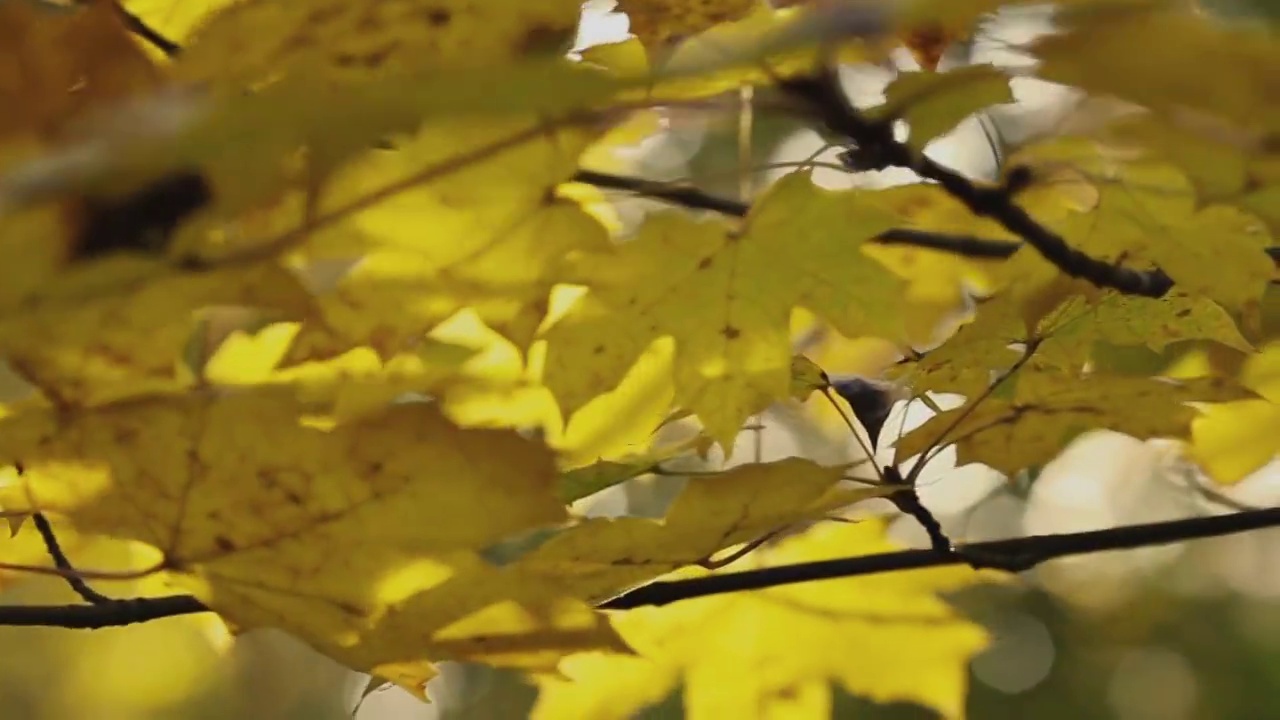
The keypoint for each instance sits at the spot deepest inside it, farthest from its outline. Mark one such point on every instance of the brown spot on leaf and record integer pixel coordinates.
(730, 332)
(544, 39)
(706, 262)
(224, 544)
(597, 350)
(438, 17)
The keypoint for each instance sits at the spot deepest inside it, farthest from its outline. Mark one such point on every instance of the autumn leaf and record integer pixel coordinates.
(1050, 408)
(734, 354)
(934, 103)
(1233, 439)
(657, 22)
(1183, 62)
(348, 386)
(887, 637)
(1145, 212)
(601, 556)
(584, 481)
(119, 327)
(243, 106)
(1075, 327)
(486, 235)
(344, 537)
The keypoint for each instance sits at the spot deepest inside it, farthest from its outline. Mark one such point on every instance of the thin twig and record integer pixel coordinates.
(135, 25)
(1017, 555)
(61, 562)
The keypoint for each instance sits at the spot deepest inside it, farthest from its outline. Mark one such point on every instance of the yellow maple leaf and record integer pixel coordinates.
(486, 236)
(1231, 440)
(253, 42)
(1185, 59)
(657, 22)
(600, 557)
(1147, 214)
(356, 539)
(174, 20)
(934, 103)
(887, 637)
(1050, 407)
(1074, 327)
(351, 385)
(726, 297)
(262, 84)
(118, 327)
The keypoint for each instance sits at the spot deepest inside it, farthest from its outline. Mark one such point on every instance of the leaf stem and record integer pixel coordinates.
(150, 35)
(60, 561)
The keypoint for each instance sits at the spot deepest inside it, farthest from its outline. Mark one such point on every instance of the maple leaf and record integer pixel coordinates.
(1049, 408)
(1069, 329)
(1074, 327)
(1180, 52)
(355, 538)
(801, 245)
(1144, 212)
(888, 637)
(657, 22)
(934, 103)
(485, 236)
(252, 42)
(348, 386)
(174, 21)
(1231, 440)
(329, 81)
(602, 556)
(119, 327)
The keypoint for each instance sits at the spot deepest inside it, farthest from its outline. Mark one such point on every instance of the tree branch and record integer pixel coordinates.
(876, 148)
(1019, 553)
(113, 613)
(689, 197)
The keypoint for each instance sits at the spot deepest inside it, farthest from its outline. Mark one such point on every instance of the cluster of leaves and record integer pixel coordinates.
(318, 307)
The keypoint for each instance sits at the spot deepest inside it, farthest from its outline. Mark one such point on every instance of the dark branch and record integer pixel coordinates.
(687, 196)
(876, 148)
(61, 562)
(690, 197)
(1021, 553)
(962, 245)
(113, 613)
(135, 25)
